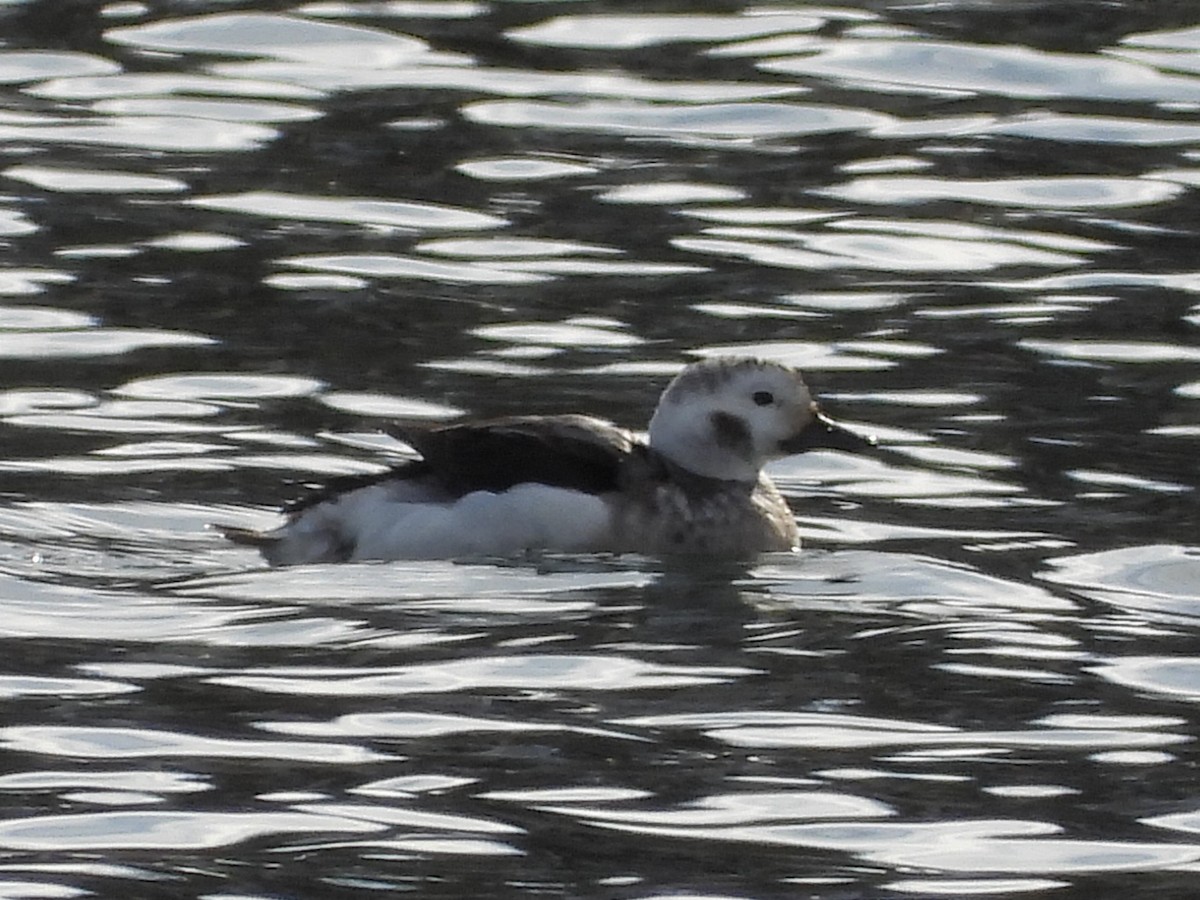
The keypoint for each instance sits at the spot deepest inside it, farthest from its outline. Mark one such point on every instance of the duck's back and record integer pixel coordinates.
(570, 451)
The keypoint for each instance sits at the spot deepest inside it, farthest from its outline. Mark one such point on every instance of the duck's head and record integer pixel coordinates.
(727, 417)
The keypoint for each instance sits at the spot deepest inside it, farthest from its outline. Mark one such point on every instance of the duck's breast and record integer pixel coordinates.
(693, 515)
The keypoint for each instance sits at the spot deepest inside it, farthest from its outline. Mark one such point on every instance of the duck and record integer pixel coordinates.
(575, 483)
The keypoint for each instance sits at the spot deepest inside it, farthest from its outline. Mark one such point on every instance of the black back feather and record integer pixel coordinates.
(576, 452)
(570, 451)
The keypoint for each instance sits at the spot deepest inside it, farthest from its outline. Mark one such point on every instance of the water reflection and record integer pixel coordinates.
(68, 180)
(622, 32)
(42, 342)
(551, 672)
(263, 34)
(945, 69)
(165, 830)
(690, 122)
(238, 242)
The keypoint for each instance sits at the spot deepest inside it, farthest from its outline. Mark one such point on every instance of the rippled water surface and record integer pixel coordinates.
(241, 238)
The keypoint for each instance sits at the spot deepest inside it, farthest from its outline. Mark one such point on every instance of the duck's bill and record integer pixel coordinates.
(823, 433)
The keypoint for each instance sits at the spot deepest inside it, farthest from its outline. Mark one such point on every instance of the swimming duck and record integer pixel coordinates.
(578, 483)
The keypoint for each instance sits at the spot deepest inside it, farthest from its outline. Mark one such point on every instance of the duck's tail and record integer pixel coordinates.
(247, 537)
(307, 539)
(270, 544)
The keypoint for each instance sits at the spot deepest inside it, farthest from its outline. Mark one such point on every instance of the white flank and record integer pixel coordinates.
(528, 516)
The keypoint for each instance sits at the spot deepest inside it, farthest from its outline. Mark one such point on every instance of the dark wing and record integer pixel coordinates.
(576, 452)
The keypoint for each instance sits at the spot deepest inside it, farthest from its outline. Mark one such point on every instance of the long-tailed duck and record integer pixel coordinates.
(576, 483)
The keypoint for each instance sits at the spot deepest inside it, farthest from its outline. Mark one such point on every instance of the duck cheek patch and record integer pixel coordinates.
(732, 433)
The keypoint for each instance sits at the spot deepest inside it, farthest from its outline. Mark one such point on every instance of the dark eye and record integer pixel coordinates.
(763, 398)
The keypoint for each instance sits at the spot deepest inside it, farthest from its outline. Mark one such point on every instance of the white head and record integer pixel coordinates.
(727, 417)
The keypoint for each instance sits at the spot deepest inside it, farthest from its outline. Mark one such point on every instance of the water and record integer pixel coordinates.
(238, 239)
